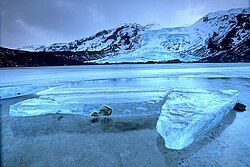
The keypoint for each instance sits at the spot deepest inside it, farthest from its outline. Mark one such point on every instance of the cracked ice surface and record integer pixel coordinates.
(15, 91)
(188, 114)
(82, 101)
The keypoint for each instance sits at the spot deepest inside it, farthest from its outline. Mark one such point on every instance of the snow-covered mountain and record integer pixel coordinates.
(222, 36)
(215, 34)
(124, 37)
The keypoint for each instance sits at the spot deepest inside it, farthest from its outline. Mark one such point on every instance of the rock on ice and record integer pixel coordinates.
(189, 114)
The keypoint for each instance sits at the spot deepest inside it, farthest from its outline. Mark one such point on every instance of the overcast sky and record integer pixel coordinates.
(27, 22)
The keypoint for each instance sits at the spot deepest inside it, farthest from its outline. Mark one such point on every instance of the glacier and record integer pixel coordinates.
(190, 113)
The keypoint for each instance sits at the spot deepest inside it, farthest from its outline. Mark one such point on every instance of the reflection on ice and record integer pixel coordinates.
(188, 114)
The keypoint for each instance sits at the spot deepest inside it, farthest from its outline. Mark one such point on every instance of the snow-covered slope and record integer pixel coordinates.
(222, 36)
(120, 38)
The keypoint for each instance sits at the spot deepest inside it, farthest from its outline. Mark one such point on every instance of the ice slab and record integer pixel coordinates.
(189, 114)
(32, 107)
(102, 94)
(83, 101)
(15, 91)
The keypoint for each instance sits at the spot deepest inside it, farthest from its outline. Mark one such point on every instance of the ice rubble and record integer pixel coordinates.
(83, 101)
(188, 114)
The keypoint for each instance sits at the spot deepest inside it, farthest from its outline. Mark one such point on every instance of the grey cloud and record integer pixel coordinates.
(25, 22)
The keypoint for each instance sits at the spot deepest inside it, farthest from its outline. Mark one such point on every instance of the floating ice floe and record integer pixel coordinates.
(83, 101)
(32, 107)
(188, 114)
(15, 91)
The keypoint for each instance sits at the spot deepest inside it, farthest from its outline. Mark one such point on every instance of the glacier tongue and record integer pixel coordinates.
(188, 114)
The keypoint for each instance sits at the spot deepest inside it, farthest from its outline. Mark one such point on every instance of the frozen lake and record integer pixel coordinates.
(128, 86)
(149, 75)
(128, 89)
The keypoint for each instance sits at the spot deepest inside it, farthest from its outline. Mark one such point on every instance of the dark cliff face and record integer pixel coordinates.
(17, 58)
(233, 46)
(239, 53)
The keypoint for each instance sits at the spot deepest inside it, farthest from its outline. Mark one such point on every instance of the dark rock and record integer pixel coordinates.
(151, 62)
(95, 120)
(60, 118)
(174, 61)
(105, 111)
(94, 114)
(205, 19)
(240, 107)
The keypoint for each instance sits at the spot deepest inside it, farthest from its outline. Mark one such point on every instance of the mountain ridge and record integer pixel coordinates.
(221, 36)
